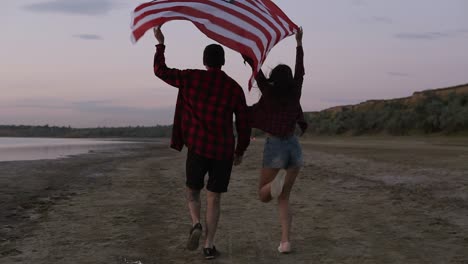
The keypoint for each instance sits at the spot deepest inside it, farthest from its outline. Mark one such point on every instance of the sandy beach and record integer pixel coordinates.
(357, 200)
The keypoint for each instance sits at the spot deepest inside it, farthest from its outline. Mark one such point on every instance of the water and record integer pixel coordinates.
(12, 149)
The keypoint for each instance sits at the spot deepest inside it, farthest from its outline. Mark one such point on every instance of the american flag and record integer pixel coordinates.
(250, 27)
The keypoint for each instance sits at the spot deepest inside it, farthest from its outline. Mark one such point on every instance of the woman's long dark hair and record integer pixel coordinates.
(283, 89)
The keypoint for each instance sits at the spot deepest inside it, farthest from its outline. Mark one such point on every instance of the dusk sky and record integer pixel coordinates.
(71, 62)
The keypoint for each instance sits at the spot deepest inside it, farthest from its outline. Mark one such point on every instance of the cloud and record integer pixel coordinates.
(120, 114)
(382, 19)
(82, 113)
(76, 7)
(398, 74)
(377, 20)
(330, 102)
(88, 36)
(434, 35)
(38, 103)
(107, 107)
(98, 106)
(359, 2)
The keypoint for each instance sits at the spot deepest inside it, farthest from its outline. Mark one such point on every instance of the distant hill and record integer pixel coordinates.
(100, 132)
(437, 111)
(443, 110)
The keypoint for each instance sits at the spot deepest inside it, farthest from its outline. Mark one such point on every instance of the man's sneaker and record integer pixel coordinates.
(194, 237)
(276, 187)
(284, 248)
(210, 253)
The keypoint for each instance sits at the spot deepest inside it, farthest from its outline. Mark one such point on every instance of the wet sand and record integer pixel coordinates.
(357, 200)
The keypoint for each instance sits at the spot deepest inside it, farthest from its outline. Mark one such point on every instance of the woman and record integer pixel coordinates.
(277, 113)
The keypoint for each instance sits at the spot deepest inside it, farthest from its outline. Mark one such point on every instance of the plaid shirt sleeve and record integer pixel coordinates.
(242, 124)
(172, 77)
(301, 121)
(299, 71)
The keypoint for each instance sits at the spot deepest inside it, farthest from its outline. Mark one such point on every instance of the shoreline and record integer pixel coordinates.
(56, 148)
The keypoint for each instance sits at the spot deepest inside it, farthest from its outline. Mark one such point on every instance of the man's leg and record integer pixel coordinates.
(196, 169)
(194, 205)
(193, 197)
(213, 210)
(218, 182)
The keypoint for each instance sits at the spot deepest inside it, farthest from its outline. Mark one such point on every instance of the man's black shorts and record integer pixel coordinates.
(219, 173)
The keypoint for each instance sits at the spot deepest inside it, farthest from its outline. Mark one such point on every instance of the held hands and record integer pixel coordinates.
(158, 34)
(237, 160)
(299, 37)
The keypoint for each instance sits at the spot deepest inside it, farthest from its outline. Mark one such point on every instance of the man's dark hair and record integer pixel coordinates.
(213, 56)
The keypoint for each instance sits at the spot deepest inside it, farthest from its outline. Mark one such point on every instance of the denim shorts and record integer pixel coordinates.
(282, 153)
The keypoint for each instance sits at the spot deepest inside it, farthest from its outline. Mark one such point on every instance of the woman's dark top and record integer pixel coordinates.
(280, 119)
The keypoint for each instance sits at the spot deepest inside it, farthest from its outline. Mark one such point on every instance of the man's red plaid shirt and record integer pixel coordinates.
(206, 102)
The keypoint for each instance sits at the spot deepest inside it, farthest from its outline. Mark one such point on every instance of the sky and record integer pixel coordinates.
(71, 63)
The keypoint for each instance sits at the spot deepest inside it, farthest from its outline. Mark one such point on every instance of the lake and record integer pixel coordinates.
(12, 149)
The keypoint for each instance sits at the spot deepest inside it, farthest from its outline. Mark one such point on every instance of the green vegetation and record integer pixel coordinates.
(439, 111)
(101, 132)
(433, 113)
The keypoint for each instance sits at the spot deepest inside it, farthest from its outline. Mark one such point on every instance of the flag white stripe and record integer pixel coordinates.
(260, 11)
(243, 11)
(258, 24)
(269, 18)
(256, 19)
(267, 41)
(260, 6)
(210, 10)
(211, 27)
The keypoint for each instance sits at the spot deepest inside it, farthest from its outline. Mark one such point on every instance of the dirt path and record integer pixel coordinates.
(355, 202)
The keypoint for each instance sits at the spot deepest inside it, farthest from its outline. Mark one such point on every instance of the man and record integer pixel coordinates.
(203, 121)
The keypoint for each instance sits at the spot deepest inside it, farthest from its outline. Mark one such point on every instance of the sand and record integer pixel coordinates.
(357, 200)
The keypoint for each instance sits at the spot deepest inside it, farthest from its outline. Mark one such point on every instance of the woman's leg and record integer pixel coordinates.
(283, 204)
(267, 175)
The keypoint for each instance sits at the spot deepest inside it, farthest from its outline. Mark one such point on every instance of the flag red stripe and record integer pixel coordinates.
(151, 24)
(277, 20)
(278, 12)
(230, 43)
(276, 37)
(219, 21)
(251, 27)
(223, 8)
